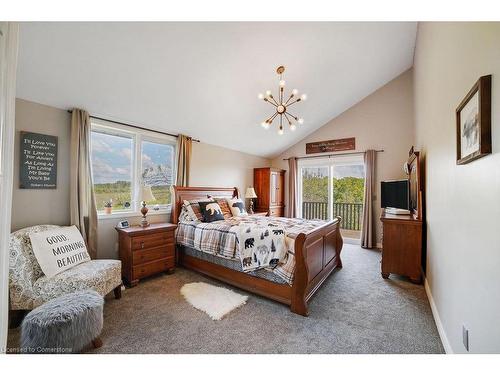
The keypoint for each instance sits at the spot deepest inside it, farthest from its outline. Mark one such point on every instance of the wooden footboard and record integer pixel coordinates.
(317, 254)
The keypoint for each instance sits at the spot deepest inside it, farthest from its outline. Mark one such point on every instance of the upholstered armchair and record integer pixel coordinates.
(30, 288)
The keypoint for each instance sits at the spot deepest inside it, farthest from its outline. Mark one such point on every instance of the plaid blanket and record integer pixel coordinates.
(220, 237)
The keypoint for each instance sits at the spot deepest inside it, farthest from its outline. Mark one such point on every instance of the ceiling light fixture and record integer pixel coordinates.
(281, 106)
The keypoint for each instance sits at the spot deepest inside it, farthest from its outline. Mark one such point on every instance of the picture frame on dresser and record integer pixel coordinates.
(473, 122)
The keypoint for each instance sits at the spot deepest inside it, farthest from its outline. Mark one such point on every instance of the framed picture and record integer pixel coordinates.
(474, 122)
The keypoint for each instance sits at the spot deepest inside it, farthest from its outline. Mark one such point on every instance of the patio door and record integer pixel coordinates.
(330, 187)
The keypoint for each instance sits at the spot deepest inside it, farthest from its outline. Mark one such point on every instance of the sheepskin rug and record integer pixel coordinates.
(215, 301)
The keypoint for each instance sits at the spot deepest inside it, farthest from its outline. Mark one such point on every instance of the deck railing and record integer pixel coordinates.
(350, 212)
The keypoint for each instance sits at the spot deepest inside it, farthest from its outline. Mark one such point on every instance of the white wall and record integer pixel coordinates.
(210, 166)
(383, 120)
(463, 202)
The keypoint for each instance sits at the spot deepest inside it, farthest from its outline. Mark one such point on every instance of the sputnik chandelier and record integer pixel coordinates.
(281, 106)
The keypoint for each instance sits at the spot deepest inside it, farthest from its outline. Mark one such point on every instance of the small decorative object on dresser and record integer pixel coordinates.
(269, 186)
(250, 194)
(147, 195)
(146, 251)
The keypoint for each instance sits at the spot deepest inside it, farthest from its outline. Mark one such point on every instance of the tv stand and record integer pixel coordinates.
(402, 237)
(401, 246)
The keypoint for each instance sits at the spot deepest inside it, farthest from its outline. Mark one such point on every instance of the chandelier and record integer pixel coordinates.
(281, 106)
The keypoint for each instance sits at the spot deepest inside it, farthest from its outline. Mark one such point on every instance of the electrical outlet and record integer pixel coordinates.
(465, 337)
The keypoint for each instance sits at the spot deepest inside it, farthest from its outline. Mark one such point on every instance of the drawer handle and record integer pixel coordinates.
(142, 244)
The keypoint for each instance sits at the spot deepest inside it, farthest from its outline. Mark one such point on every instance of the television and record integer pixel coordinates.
(395, 194)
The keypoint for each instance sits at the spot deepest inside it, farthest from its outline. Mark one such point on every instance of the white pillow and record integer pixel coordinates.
(59, 249)
(237, 207)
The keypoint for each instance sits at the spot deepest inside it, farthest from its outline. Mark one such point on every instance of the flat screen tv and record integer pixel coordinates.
(395, 194)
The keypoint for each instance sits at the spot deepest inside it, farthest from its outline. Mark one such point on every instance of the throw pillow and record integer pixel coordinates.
(226, 211)
(237, 207)
(211, 211)
(58, 250)
(193, 208)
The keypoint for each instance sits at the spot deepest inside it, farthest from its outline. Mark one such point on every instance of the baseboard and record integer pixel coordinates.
(437, 319)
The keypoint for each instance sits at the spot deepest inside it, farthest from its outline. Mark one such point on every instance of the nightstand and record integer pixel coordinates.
(145, 251)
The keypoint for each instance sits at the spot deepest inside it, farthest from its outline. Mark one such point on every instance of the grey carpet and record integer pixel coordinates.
(355, 311)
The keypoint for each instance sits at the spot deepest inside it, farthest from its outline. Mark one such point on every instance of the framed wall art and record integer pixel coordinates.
(474, 122)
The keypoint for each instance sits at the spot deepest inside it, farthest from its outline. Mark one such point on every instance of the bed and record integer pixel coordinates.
(316, 254)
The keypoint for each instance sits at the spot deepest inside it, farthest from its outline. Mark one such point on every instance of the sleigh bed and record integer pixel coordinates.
(317, 254)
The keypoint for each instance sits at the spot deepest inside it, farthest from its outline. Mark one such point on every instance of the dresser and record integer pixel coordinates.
(402, 246)
(146, 251)
(269, 185)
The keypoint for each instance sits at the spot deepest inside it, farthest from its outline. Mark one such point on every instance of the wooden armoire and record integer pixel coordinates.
(269, 185)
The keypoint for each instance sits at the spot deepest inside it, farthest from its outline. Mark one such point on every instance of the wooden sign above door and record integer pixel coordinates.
(333, 145)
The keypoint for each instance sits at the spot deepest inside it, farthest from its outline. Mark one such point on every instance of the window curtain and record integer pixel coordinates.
(184, 145)
(368, 228)
(292, 187)
(82, 201)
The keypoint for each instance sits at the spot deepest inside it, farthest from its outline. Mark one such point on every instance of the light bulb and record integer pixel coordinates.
(268, 92)
(260, 96)
(300, 121)
(282, 83)
(293, 127)
(265, 125)
(303, 97)
(295, 91)
(280, 132)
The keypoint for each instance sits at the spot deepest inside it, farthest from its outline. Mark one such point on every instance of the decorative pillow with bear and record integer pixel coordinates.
(193, 208)
(237, 207)
(224, 206)
(211, 211)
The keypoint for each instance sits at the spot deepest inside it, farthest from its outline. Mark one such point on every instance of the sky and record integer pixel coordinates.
(111, 157)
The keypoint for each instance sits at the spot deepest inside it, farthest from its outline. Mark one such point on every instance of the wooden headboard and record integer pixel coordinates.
(182, 193)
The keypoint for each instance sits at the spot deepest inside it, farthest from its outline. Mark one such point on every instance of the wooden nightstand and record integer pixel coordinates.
(146, 251)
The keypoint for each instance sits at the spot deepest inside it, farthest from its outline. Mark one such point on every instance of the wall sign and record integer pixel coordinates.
(38, 168)
(333, 145)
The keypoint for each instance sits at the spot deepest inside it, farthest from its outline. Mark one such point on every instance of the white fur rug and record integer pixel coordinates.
(215, 301)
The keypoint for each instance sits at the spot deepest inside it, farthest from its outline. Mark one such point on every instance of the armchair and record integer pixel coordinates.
(30, 288)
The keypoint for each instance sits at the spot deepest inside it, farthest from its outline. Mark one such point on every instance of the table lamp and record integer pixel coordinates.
(250, 194)
(147, 195)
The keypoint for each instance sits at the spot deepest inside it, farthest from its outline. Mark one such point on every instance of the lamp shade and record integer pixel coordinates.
(147, 194)
(250, 193)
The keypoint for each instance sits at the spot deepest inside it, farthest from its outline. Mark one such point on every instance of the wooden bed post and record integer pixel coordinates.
(298, 303)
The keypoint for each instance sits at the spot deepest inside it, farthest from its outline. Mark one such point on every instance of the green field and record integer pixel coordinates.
(120, 193)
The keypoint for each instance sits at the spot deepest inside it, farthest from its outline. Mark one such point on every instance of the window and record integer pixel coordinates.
(156, 171)
(334, 186)
(127, 163)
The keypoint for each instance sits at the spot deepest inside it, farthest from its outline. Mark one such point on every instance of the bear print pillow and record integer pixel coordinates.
(211, 211)
(237, 207)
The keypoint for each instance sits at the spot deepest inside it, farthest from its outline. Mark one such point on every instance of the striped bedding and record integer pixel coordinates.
(220, 238)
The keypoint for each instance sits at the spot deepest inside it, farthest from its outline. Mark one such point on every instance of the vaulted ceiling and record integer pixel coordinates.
(202, 79)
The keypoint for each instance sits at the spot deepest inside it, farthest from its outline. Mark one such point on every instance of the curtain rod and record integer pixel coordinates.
(135, 126)
(330, 155)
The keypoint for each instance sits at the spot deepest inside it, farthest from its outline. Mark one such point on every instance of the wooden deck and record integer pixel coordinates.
(347, 233)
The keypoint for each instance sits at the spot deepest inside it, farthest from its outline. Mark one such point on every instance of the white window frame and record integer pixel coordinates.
(137, 136)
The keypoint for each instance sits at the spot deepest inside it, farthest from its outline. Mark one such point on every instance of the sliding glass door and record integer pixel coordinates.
(330, 187)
